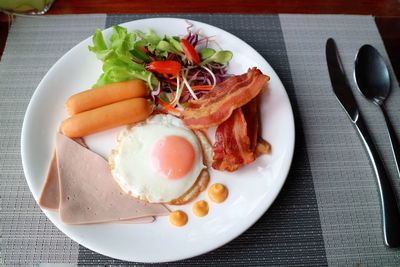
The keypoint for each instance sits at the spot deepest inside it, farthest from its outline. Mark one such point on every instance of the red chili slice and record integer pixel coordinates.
(164, 67)
(190, 52)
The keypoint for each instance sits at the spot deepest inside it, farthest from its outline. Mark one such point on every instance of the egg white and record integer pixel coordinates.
(131, 165)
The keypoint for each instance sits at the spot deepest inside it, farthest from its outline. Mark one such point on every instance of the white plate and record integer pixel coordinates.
(252, 189)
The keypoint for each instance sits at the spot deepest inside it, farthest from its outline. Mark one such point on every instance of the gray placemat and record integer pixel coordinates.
(34, 44)
(328, 210)
(343, 179)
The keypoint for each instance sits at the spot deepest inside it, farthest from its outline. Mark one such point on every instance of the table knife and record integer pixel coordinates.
(342, 90)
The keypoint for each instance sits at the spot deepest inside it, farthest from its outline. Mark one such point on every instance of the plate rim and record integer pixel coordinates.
(217, 245)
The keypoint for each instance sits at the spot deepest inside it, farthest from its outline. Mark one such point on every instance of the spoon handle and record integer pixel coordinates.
(389, 208)
(393, 139)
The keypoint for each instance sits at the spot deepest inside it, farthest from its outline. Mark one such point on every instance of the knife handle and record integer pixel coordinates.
(389, 208)
(393, 139)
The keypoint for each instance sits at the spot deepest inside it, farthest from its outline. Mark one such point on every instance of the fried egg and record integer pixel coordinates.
(158, 160)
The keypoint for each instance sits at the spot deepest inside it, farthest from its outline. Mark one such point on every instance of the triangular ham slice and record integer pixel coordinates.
(50, 196)
(87, 190)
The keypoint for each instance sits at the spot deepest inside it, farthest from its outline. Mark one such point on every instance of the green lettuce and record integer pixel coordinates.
(151, 39)
(117, 57)
(208, 55)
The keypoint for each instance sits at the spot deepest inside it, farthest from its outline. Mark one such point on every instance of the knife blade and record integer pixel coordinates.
(339, 82)
(341, 88)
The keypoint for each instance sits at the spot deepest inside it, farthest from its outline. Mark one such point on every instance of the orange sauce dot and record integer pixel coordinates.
(200, 208)
(218, 193)
(178, 218)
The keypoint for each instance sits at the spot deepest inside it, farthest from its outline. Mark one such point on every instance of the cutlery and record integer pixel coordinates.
(373, 80)
(342, 90)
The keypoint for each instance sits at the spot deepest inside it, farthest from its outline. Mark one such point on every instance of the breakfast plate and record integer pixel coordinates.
(252, 189)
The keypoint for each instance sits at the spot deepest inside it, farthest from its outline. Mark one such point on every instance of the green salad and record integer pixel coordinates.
(176, 69)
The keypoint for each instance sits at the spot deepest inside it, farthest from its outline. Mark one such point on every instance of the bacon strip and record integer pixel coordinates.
(252, 115)
(218, 105)
(238, 139)
(232, 145)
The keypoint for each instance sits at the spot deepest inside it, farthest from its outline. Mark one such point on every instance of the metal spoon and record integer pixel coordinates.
(373, 81)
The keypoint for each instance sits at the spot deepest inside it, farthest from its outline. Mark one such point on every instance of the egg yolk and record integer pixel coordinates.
(178, 218)
(218, 193)
(200, 208)
(173, 157)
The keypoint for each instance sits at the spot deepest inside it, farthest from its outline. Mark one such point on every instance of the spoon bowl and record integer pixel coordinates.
(372, 75)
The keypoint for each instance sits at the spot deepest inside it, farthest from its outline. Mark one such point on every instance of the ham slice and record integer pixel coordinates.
(137, 221)
(87, 191)
(50, 196)
(217, 106)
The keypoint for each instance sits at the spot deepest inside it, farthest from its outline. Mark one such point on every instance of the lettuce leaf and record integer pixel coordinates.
(118, 74)
(151, 39)
(117, 63)
(210, 55)
(164, 47)
(99, 46)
